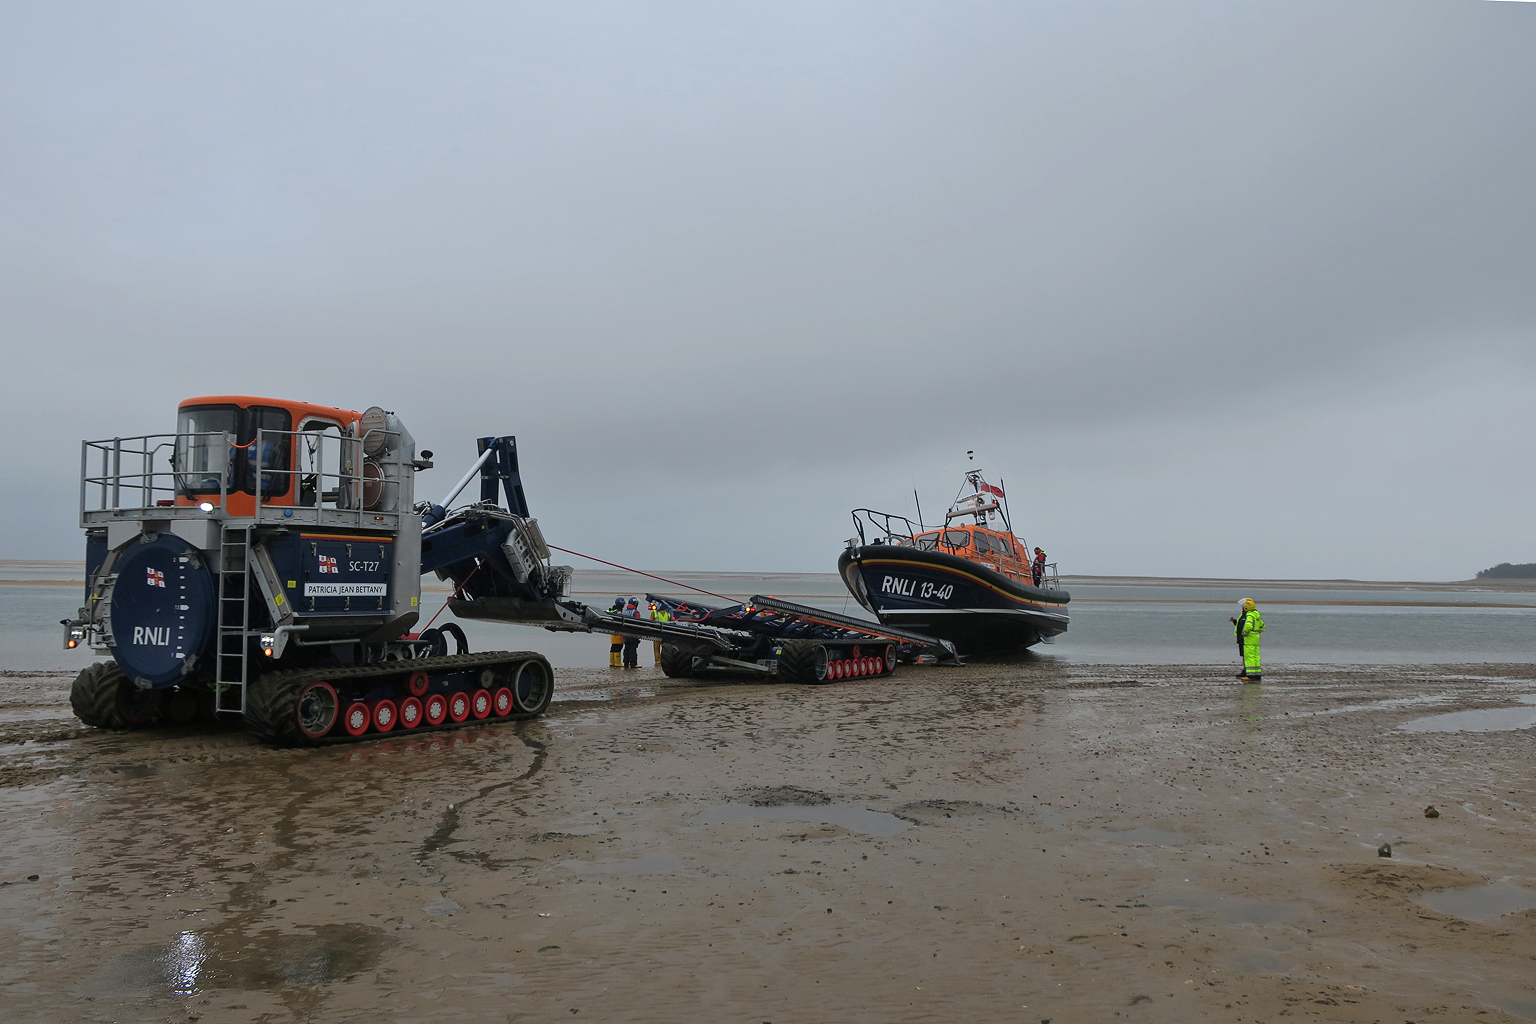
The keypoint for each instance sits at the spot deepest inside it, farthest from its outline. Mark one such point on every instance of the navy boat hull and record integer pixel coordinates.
(977, 609)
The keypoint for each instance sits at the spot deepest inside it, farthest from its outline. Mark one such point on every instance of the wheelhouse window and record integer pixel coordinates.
(957, 538)
(1001, 545)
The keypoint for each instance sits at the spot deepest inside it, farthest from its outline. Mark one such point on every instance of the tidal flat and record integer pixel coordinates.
(1023, 841)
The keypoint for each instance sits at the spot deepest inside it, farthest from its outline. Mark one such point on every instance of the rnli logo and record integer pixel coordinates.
(152, 636)
(328, 564)
(156, 578)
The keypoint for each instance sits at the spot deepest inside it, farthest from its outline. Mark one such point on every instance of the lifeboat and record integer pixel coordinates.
(970, 581)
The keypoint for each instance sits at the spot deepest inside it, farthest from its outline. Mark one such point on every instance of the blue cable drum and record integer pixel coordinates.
(163, 610)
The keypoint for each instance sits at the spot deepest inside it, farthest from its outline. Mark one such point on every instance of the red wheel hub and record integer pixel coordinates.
(480, 703)
(458, 706)
(357, 719)
(410, 713)
(417, 684)
(435, 709)
(501, 702)
(386, 714)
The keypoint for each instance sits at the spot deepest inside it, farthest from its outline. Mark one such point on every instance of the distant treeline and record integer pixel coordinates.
(1505, 571)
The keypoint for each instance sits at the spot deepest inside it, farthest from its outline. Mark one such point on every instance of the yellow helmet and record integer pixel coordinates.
(1248, 604)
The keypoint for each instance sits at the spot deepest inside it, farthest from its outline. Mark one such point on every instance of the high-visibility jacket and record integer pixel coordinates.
(1249, 624)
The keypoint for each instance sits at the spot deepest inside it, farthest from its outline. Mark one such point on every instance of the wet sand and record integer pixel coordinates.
(1007, 842)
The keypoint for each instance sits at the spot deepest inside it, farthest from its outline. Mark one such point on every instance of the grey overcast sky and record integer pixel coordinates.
(1238, 289)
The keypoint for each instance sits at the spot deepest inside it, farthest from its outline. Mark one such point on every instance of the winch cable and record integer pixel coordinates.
(451, 596)
(652, 575)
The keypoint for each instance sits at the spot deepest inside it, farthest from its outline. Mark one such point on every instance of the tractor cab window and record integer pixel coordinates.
(271, 460)
(216, 446)
(203, 454)
(322, 452)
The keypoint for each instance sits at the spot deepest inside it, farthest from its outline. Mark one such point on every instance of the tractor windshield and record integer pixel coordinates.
(217, 443)
(203, 461)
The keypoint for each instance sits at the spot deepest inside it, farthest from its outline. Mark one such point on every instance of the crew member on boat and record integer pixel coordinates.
(1037, 568)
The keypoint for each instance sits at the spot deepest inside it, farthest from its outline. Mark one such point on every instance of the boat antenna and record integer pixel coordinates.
(1002, 485)
(919, 502)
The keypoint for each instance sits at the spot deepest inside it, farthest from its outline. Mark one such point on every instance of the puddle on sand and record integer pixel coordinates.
(853, 817)
(659, 862)
(1483, 904)
(1233, 909)
(1148, 837)
(1486, 720)
(1259, 963)
(605, 694)
(198, 960)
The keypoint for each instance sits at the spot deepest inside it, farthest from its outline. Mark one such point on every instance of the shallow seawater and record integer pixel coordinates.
(1481, 720)
(853, 817)
(1483, 904)
(1110, 625)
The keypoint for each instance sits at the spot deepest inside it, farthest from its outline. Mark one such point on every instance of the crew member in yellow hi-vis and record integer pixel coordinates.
(1247, 625)
(659, 614)
(615, 641)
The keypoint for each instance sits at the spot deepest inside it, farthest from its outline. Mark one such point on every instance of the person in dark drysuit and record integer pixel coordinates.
(1247, 625)
(631, 643)
(1037, 568)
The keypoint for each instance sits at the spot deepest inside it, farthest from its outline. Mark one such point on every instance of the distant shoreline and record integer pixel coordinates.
(41, 573)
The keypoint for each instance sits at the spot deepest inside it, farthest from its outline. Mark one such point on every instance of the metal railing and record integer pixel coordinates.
(136, 469)
(140, 478)
(348, 501)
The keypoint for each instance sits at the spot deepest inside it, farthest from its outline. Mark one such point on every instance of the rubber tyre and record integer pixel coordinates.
(272, 710)
(677, 660)
(803, 662)
(101, 697)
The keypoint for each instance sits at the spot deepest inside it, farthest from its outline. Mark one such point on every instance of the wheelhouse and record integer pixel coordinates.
(993, 549)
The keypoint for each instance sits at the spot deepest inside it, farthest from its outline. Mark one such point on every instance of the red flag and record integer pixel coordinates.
(983, 485)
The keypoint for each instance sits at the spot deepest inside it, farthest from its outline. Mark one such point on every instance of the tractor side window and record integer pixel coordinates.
(272, 460)
(320, 457)
(203, 462)
(957, 538)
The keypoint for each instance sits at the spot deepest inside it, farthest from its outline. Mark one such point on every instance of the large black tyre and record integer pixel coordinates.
(677, 660)
(275, 706)
(102, 697)
(803, 661)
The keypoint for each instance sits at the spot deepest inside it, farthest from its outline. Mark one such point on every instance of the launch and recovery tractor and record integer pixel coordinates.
(265, 561)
